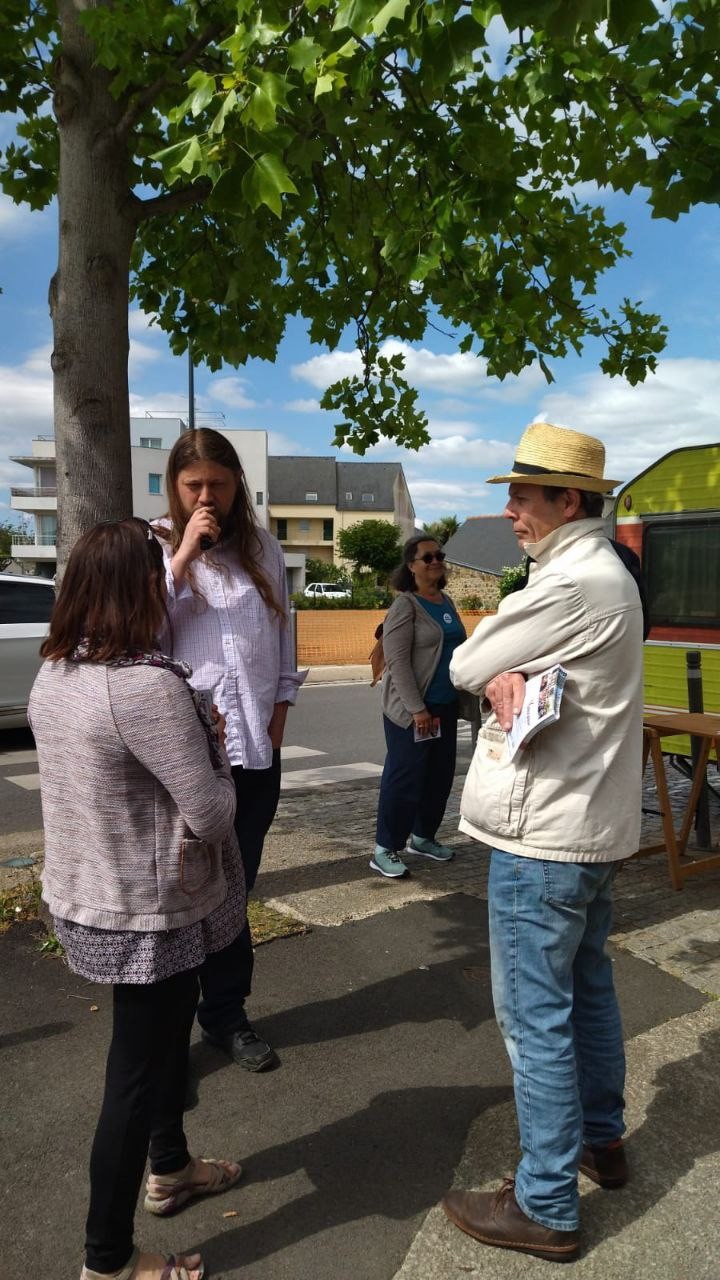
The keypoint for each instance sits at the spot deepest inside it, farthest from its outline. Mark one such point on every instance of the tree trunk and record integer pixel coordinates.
(89, 293)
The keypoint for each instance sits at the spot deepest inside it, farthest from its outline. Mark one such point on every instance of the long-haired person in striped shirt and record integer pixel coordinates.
(229, 611)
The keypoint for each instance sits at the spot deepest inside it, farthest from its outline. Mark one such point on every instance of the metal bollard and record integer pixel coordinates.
(696, 703)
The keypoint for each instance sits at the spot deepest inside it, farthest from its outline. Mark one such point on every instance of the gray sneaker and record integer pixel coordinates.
(387, 863)
(429, 849)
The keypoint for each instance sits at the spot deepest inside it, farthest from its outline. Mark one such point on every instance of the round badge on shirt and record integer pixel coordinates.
(447, 617)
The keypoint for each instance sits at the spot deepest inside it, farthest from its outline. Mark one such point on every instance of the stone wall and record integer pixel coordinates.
(471, 582)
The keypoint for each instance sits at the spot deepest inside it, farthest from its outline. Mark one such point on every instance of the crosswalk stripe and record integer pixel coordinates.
(297, 753)
(28, 781)
(331, 773)
(17, 757)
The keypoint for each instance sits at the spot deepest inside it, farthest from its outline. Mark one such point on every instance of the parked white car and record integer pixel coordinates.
(327, 591)
(25, 607)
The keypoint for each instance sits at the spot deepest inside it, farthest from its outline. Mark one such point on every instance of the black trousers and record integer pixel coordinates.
(142, 1109)
(226, 976)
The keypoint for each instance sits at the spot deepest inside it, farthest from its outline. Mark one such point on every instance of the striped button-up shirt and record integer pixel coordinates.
(239, 650)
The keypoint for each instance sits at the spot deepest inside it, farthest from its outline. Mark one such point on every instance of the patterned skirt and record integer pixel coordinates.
(106, 955)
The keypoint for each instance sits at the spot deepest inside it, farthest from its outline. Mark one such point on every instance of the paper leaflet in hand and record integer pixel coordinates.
(541, 707)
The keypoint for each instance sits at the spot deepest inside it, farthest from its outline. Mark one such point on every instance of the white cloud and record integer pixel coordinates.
(433, 498)
(18, 222)
(454, 451)
(161, 404)
(141, 353)
(142, 322)
(321, 371)
(676, 406)
(302, 406)
(231, 391)
(282, 444)
(459, 373)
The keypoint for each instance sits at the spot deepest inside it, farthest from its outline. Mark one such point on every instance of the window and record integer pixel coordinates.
(25, 602)
(150, 442)
(348, 495)
(281, 530)
(680, 560)
(368, 498)
(311, 497)
(259, 496)
(304, 526)
(154, 482)
(328, 530)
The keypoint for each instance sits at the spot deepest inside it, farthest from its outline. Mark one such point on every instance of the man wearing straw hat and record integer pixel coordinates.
(559, 817)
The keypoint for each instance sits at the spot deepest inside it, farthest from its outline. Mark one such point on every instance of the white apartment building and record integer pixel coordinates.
(152, 437)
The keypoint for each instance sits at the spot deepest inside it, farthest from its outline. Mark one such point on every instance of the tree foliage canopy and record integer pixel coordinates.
(7, 531)
(442, 529)
(364, 163)
(371, 544)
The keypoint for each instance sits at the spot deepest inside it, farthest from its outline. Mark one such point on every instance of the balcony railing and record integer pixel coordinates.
(34, 539)
(37, 491)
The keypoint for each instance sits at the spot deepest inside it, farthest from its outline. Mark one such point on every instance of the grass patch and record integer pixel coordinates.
(22, 902)
(267, 924)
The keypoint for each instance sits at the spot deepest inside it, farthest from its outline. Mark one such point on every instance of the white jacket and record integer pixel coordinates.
(574, 793)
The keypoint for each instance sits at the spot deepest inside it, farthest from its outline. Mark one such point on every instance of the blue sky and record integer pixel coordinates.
(474, 420)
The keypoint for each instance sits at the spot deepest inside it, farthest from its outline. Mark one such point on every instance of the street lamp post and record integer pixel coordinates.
(191, 388)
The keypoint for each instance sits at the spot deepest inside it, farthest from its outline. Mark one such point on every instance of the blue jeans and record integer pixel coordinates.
(556, 1007)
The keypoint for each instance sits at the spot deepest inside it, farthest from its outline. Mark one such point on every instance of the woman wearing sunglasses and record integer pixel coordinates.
(420, 633)
(142, 875)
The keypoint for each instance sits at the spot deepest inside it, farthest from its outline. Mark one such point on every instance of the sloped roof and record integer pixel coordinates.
(358, 478)
(485, 543)
(290, 477)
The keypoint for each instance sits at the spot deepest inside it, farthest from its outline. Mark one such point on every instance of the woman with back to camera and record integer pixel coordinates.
(141, 873)
(420, 633)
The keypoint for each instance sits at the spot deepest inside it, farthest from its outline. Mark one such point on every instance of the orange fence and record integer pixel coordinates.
(330, 637)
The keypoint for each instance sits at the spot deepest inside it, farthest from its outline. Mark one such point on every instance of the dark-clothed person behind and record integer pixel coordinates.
(142, 873)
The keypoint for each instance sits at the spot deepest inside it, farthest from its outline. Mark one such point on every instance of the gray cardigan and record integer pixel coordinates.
(134, 812)
(412, 645)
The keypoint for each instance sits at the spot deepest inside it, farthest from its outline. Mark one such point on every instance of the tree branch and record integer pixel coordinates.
(146, 98)
(173, 202)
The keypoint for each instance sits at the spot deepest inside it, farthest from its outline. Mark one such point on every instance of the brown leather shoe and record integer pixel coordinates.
(495, 1217)
(607, 1166)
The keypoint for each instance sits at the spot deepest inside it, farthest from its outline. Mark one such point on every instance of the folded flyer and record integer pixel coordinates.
(541, 707)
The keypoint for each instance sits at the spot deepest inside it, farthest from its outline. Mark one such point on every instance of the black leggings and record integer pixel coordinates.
(226, 976)
(142, 1109)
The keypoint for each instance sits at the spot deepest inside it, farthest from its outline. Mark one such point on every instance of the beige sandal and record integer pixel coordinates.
(176, 1268)
(166, 1193)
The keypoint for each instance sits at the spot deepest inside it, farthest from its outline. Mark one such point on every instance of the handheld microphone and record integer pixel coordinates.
(206, 543)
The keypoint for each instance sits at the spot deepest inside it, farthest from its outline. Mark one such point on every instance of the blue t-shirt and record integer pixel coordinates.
(441, 689)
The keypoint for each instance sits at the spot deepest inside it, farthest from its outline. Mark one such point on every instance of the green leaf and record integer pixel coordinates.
(269, 93)
(228, 105)
(356, 15)
(304, 53)
(392, 9)
(266, 181)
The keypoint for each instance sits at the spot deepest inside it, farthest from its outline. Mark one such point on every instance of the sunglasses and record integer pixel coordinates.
(432, 555)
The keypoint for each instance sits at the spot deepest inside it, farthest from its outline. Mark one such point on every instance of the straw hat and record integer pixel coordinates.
(559, 457)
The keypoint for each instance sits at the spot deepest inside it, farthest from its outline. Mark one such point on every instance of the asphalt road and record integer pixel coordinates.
(330, 725)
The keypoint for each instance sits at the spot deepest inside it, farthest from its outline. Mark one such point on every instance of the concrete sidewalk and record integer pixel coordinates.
(393, 1085)
(358, 673)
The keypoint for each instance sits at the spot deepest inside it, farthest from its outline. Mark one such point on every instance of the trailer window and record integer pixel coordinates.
(681, 564)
